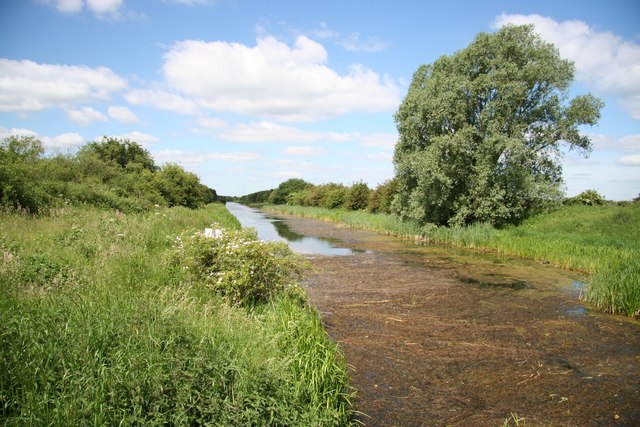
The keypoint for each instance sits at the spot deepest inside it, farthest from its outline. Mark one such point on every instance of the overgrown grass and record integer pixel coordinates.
(99, 326)
(603, 241)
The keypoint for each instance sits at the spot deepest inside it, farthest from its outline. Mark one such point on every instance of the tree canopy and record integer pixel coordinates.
(481, 131)
(112, 173)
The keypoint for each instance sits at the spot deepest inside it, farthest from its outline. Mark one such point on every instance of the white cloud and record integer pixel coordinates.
(143, 139)
(100, 8)
(122, 115)
(274, 80)
(380, 140)
(194, 157)
(628, 143)
(61, 141)
(633, 160)
(29, 86)
(4, 132)
(304, 151)
(605, 61)
(267, 132)
(85, 116)
(104, 7)
(69, 6)
(162, 100)
(353, 43)
(70, 139)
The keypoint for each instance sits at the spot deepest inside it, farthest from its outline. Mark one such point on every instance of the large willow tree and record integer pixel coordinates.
(481, 131)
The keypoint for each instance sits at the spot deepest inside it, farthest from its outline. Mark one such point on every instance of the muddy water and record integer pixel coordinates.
(436, 336)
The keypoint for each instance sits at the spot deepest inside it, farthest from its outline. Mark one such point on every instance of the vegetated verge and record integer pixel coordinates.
(110, 318)
(602, 241)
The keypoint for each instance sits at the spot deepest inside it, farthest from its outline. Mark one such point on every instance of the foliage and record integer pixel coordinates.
(381, 198)
(336, 197)
(99, 326)
(480, 131)
(280, 195)
(120, 152)
(112, 174)
(357, 196)
(587, 198)
(239, 267)
(22, 179)
(182, 188)
(257, 197)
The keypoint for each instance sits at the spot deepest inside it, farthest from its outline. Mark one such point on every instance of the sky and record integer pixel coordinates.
(247, 94)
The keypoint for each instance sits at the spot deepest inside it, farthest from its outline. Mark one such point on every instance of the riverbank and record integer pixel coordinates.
(602, 241)
(103, 321)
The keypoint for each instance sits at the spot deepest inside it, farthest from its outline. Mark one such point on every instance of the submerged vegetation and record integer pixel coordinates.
(108, 318)
(603, 241)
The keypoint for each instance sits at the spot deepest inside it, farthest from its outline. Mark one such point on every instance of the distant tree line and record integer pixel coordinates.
(112, 173)
(360, 197)
(331, 195)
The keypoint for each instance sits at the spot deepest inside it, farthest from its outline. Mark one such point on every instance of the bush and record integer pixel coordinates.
(357, 197)
(587, 198)
(239, 267)
(336, 198)
(381, 198)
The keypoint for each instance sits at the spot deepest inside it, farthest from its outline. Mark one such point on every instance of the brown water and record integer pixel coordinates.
(436, 336)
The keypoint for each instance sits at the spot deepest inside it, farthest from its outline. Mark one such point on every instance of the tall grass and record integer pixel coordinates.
(98, 326)
(602, 241)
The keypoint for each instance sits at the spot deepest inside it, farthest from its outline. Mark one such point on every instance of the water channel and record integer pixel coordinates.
(275, 229)
(439, 336)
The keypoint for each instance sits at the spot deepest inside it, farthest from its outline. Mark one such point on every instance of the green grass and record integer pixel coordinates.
(99, 327)
(602, 241)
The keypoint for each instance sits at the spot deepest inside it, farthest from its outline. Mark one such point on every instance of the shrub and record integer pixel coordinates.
(336, 198)
(239, 267)
(587, 198)
(357, 196)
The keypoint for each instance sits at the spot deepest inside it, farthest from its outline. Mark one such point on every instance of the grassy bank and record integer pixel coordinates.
(101, 323)
(603, 241)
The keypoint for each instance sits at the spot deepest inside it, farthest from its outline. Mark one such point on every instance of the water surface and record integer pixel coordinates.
(274, 229)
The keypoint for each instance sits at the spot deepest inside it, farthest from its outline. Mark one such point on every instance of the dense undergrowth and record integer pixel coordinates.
(119, 319)
(603, 241)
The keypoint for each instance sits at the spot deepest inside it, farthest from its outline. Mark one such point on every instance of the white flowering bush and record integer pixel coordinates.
(239, 267)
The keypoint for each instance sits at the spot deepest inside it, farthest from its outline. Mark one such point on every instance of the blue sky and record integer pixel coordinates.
(247, 94)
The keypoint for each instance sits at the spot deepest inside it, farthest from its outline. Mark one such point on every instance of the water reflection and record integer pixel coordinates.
(276, 230)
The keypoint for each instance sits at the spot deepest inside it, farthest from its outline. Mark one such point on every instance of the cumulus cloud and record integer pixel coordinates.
(64, 140)
(604, 61)
(85, 116)
(69, 6)
(267, 131)
(100, 8)
(304, 151)
(273, 80)
(143, 139)
(194, 157)
(163, 100)
(628, 143)
(29, 86)
(122, 115)
(633, 160)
